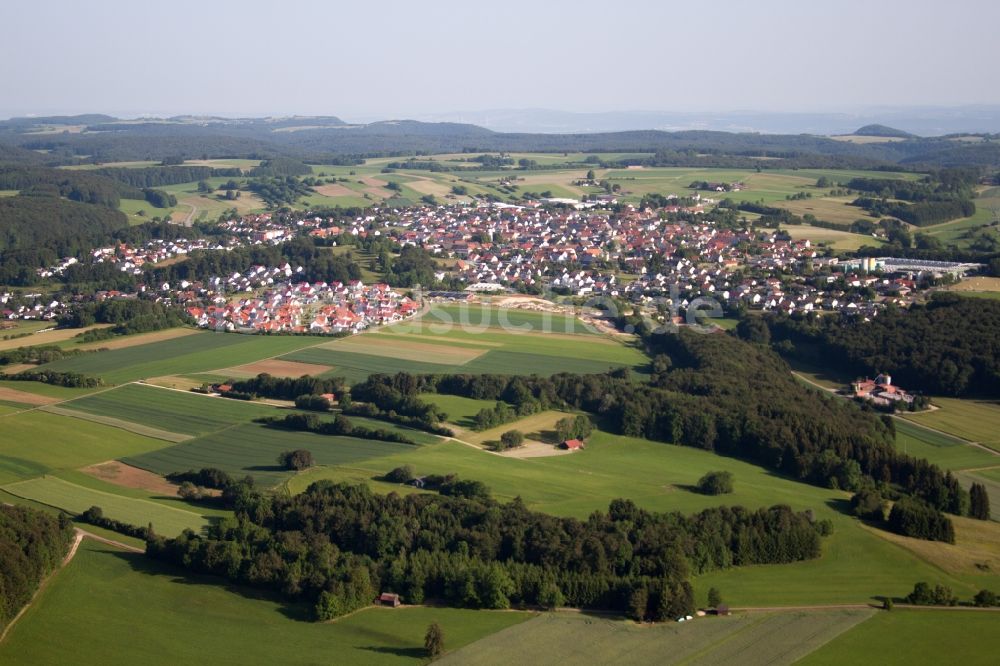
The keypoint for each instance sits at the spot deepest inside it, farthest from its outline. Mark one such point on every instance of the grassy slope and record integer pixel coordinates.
(856, 564)
(156, 614)
(916, 637)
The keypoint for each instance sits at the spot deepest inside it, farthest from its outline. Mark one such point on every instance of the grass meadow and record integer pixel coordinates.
(915, 637)
(974, 420)
(568, 638)
(157, 614)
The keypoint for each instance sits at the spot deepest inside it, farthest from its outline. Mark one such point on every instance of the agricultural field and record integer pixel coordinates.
(67, 444)
(537, 427)
(73, 498)
(460, 410)
(201, 352)
(253, 450)
(915, 637)
(973, 420)
(941, 449)
(453, 339)
(48, 335)
(172, 411)
(158, 614)
(856, 563)
(585, 639)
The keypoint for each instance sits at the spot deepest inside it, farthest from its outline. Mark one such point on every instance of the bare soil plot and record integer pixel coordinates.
(140, 339)
(277, 368)
(977, 284)
(332, 190)
(535, 449)
(406, 350)
(47, 337)
(25, 398)
(15, 368)
(120, 474)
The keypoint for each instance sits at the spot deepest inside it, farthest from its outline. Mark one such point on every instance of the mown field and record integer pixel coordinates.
(940, 448)
(173, 411)
(916, 637)
(856, 565)
(73, 498)
(254, 449)
(565, 638)
(112, 607)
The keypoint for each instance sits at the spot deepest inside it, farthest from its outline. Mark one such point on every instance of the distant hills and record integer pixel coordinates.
(102, 138)
(883, 130)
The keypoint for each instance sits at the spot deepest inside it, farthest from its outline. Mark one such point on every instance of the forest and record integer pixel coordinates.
(338, 546)
(950, 346)
(32, 545)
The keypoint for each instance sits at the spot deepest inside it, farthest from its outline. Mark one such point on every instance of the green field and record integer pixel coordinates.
(35, 443)
(856, 563)
(460, 410)
(916, 637)
(941, 449)
(565, 638)
(507, 341)
(201, 352)
(112, 607)
(173, 411)
(974, 420)
(254, 449)
(73, 498)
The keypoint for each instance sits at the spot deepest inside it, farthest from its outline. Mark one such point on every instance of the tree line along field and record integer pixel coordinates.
(170, 616)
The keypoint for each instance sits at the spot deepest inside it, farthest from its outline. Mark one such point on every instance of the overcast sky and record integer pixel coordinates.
(394, 59)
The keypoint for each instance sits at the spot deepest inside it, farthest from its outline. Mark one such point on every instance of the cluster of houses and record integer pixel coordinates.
(300, 307)
(881, 391)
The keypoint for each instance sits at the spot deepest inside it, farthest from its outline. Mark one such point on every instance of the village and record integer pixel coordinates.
(642, 255)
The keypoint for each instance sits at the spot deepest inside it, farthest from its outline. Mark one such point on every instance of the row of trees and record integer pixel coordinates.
(266, 385)
(338, 545)
(339, 425)
(67, 379)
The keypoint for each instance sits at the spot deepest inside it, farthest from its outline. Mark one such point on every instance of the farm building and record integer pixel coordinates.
(881, 391)
(572, 445)
(388, 599)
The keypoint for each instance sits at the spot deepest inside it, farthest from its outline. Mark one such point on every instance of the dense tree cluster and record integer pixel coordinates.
(951, 346)
(95, 516)
(924, 595)
(265, 385)
(128, 316)
(338, 545)
(716, 483)
(296, 460)
(979, 502)
(414, 266)
(67, 379)
(913, 518)
(37, 355)
(32, 545)
(339, 425)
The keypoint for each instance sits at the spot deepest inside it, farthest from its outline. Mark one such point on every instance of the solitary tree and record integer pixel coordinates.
(298, 459)
(716, 483)
(714, 597)
(979, 502)
(434, 640)
(511, 439)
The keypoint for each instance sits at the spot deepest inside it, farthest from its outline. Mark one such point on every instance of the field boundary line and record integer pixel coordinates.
(121, 424)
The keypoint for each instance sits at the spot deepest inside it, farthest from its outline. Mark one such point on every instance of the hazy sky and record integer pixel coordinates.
(391, 59)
